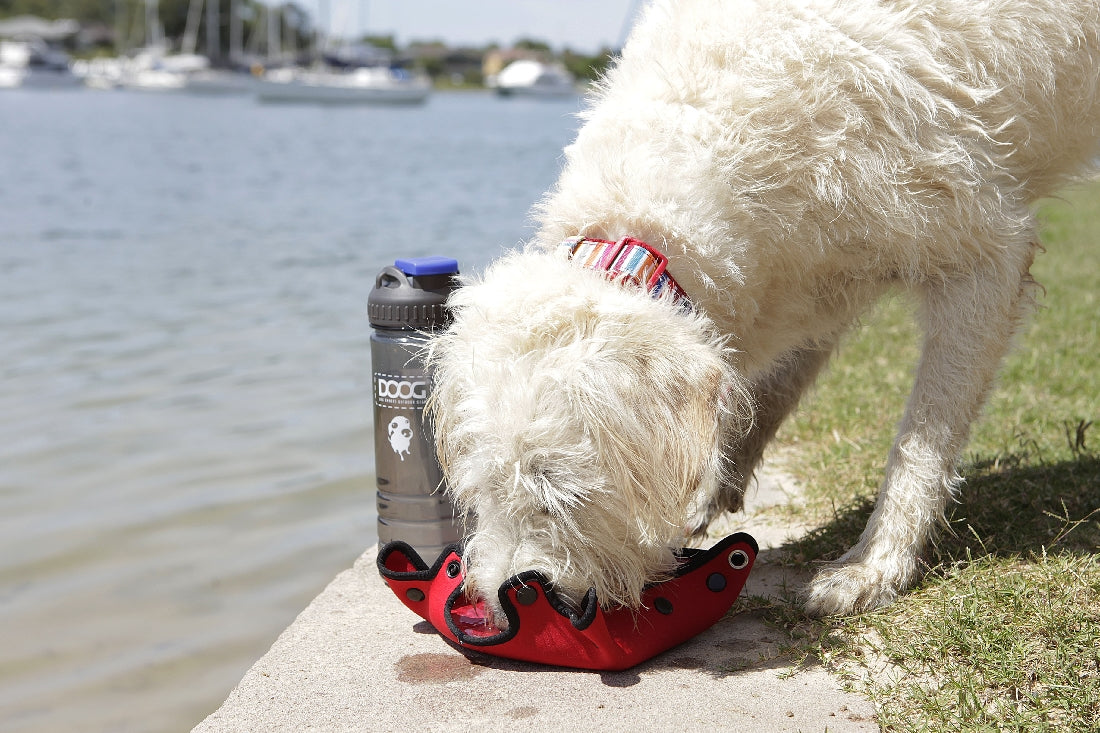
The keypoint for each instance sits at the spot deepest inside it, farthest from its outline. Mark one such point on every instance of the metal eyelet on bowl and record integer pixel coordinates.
(454, 567)
(738, 559)
(527, 595)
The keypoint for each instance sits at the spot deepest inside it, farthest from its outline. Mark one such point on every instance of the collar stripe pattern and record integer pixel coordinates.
(627, 259)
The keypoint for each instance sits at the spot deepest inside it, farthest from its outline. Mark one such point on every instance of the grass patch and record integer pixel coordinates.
(1003, 632)
(988, 643)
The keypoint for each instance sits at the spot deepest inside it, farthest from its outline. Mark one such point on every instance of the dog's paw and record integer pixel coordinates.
(843, 590)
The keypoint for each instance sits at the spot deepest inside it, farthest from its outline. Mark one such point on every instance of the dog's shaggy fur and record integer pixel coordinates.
(794, 159)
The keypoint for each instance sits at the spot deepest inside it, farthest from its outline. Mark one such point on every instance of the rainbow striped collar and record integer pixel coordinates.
(631, 260)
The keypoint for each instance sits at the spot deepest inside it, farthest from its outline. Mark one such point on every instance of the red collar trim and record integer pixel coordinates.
(628, 259)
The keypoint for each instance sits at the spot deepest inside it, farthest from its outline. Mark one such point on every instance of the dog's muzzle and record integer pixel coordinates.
(628, 260)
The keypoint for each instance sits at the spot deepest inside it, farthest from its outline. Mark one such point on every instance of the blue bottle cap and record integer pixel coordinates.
(421, 266)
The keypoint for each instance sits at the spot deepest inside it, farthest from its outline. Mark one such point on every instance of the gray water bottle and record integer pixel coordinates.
(407, 303)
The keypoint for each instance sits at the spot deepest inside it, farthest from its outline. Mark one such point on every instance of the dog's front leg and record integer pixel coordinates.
(969, 322)
(774, 397)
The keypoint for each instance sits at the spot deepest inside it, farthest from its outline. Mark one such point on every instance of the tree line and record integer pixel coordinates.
(125, 20)
(121, 26)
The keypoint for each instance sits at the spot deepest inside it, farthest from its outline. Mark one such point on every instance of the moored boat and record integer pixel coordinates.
(366, 85)
(34, 64)
(530, 78)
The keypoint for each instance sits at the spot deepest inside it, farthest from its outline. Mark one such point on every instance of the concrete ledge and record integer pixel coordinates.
(357, 660)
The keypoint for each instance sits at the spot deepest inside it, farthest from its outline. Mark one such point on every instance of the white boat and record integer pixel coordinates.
(154, 70)
(368, 85)
(101, 73)
(35, 65)
(10, 78)
(149, 70)
(529, 78)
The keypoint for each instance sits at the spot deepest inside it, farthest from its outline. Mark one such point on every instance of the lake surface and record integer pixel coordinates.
(185, 407)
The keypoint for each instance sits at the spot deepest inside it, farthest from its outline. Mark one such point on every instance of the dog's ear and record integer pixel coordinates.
(657, 413)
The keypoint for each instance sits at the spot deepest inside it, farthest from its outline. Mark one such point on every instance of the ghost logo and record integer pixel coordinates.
(401, 433)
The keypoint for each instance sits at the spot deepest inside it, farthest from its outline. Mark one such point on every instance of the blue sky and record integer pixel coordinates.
(583, 25)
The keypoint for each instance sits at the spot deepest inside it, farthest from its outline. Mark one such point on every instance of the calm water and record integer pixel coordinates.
(185, 452)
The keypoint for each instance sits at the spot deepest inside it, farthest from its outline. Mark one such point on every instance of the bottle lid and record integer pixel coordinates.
(412, 294)
(433, 265)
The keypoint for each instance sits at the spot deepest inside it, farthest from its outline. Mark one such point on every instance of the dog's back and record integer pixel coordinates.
(796, 103)
(1024, 73)
(780, 142)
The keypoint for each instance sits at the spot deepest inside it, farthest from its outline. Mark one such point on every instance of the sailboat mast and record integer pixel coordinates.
(152, 24)
(120, 27)
(320, 33)
(274, 46)
(236, 33)
(191, 30)
(213, 42)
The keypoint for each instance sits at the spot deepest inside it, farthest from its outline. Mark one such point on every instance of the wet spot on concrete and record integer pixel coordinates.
(687, 663)
(429, 669)
(627, 678)
(523, 712)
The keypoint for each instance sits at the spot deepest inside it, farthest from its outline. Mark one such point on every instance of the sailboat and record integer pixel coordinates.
(361, 75)
(207, 79)
(152, 68)
(363, 85)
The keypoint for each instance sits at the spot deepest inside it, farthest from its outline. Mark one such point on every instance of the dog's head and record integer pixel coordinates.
(580, 424)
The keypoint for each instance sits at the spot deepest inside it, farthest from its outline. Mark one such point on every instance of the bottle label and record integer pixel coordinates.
(401, 391)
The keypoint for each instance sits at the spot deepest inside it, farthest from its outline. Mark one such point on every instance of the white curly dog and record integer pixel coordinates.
(793, 160)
